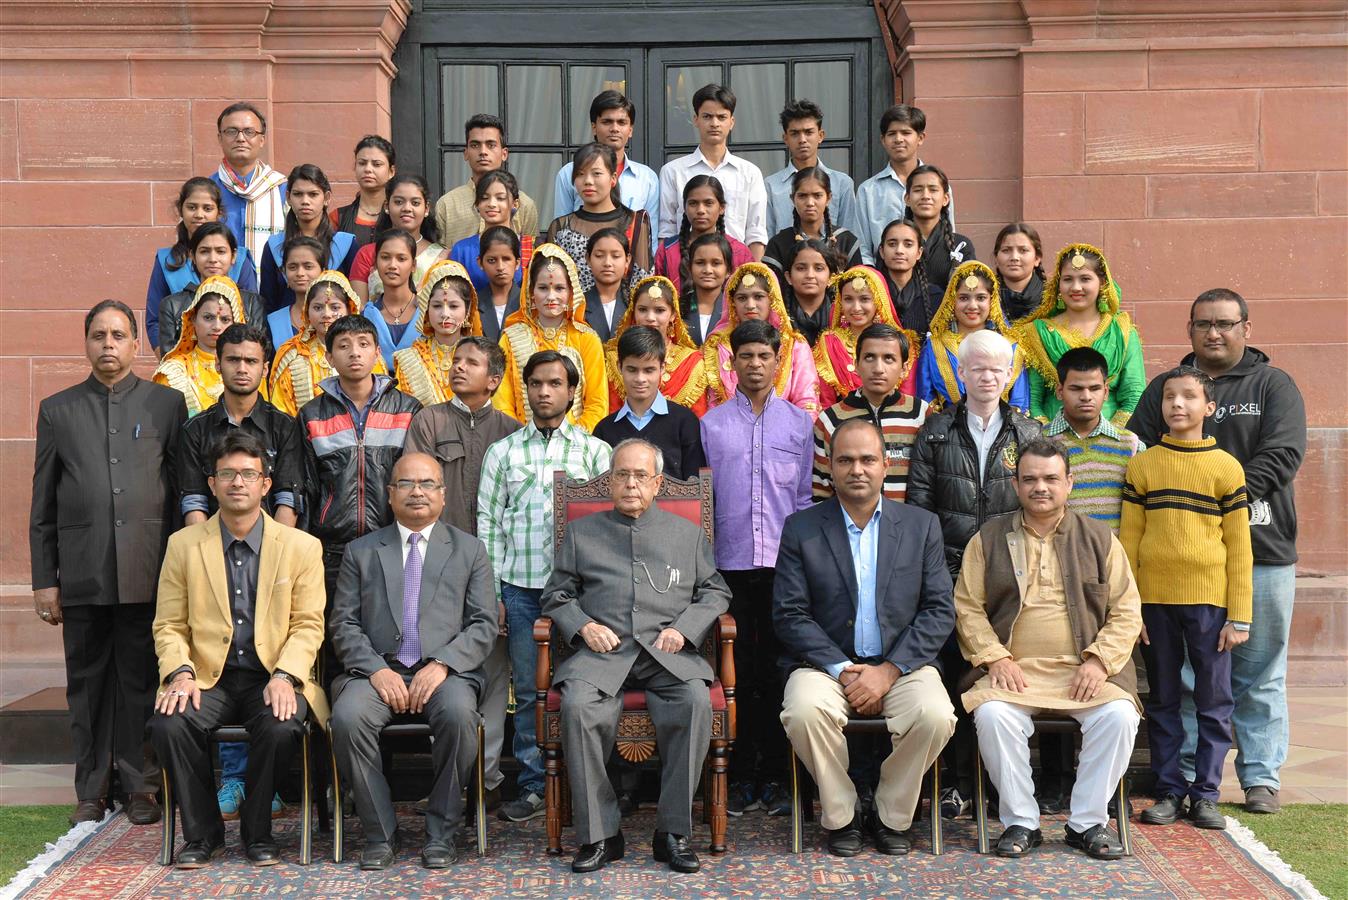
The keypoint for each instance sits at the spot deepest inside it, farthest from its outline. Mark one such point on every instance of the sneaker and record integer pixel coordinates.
(1203, 813)
(277, 807)
(230, 797)
(742, 799)
(1165, 811)
(954, 804)
(776, 799)
(522, 809)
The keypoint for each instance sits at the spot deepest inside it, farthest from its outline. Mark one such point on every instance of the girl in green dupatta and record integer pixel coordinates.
(1081, 309)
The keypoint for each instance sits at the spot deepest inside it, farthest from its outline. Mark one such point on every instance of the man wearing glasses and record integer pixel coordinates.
(1261, 421)
(412, 623)
(253, 194)
(237, 631)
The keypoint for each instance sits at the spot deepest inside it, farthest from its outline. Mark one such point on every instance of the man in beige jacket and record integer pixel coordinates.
(1047, 613)
(238, 627)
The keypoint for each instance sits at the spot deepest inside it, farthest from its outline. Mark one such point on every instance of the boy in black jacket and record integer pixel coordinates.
(1261, 421)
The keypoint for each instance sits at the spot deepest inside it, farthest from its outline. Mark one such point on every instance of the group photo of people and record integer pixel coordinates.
(945, 497)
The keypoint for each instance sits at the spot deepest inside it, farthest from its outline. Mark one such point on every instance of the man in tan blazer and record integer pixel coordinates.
(238, 627)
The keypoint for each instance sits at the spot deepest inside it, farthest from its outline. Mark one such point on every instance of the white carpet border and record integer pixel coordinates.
(47, 860)
(1268, 860)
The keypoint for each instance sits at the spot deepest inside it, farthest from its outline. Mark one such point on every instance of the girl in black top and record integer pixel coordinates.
(809, 298)
(376, 163)
(811, 191)
(928, 206)
(1018, 258)
(899, 258)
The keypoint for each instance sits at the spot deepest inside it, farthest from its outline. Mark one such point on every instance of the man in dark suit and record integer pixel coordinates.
(413, 620)
(103, 509)
(616, 594)
(862, 603)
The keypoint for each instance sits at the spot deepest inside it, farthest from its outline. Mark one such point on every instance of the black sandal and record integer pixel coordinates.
(1018, 840)
(1097, 841)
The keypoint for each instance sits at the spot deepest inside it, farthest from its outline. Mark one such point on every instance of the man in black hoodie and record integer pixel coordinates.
(1261, 421)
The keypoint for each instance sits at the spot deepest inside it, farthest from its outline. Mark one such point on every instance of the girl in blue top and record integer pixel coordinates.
(308, 195)
(497, 199)
(395, 312)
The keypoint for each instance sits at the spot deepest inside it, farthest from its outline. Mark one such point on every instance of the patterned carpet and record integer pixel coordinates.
(118, 861)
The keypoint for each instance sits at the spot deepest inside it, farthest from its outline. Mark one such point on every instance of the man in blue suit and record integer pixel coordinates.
(862, 603)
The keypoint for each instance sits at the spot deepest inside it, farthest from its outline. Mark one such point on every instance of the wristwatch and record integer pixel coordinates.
(287, 677)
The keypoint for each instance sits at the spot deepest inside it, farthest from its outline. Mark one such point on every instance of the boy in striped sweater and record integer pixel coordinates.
(1186, 530)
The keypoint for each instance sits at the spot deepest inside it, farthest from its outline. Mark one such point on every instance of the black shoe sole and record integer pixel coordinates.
(847, 853)
(375, 866)
(215, 851)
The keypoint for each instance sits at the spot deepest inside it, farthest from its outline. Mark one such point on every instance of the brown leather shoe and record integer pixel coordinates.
(143, 809)
(89, 811)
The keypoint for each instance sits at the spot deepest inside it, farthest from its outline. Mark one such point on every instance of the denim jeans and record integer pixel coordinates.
(233, 761)
(1258, 685)
(523, 606)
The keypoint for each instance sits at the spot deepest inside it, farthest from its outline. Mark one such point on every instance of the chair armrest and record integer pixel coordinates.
(725, 640)
(543, 672)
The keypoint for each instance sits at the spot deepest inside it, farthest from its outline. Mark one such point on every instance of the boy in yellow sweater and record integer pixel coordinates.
(1186, 530)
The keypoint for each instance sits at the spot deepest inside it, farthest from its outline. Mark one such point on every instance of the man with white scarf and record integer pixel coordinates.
(253, 194)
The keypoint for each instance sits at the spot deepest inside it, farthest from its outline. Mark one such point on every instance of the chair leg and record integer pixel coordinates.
(306, 804)
(980, 803)
(337, 822)
(937, 838)
(480, 793)
(552, 797)
(797, 814)
(706, 791)
(320, 788)
(1125, 827)
(719, 796)
(167, 836)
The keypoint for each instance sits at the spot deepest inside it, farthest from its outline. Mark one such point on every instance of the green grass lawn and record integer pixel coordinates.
(24, 833)
(1311, 838)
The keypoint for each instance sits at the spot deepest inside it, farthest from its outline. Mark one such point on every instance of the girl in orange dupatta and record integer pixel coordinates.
(653, 302)
(448, 312)
(752, 292)
(302, 362)
(552, 317)
(190, 367)
(862, 300)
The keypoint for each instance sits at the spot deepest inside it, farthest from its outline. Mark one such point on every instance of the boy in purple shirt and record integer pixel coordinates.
(760, 449)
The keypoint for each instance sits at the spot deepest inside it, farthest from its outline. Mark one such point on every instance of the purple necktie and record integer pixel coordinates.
(409, 654)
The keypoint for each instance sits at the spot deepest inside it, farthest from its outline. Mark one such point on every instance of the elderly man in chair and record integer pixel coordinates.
(1047, 613)
(636, 617)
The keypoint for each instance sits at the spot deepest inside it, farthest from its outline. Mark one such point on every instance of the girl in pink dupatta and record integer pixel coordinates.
(862, 299)
(752, 292)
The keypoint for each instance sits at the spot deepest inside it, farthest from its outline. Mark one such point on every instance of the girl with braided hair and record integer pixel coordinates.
(703, 214)
(702, 300)
(807, 287)
(927, 205)
(1018, 256)
(811, 191)
(899, 260)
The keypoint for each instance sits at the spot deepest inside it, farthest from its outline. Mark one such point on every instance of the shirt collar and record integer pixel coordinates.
(729, 159)
(875, 517)
(1105, 427)
(130, 380)
(253, 538)
(404, 533)
(659, 407)
(459, 404)
(1021, 526)
(888, 172)
(564, 430)
(742, 402)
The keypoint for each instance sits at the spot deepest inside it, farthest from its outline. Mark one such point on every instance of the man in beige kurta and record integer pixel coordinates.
(1047, 613)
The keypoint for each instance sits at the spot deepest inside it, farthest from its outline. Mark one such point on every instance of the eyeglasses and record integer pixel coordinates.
(249, 476)
(1223, 326)
(406, 484)
(232, 133)
(624, 475)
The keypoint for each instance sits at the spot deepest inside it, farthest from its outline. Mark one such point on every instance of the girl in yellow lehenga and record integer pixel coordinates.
(654, 302)
(302, 362)
(552, 317)
(448, 312)
(190, 367)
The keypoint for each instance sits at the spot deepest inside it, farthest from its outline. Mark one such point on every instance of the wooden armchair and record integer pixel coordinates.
(636, 732)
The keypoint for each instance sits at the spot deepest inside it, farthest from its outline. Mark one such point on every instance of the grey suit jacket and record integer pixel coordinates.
(457, 605)
(594, 313)
(603, 572)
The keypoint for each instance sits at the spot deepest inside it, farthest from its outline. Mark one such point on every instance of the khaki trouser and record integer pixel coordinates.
(920, 719)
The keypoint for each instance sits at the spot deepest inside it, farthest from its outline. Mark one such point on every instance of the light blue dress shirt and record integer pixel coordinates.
(638, 185)
(842, 203)
(880, 200)
(659, 408)
(865, 544)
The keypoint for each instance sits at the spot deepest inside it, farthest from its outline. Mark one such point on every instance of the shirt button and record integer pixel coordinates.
(120, 523)
(112, 431)
(113, 460)
(224, 640)
(116, 490)
(636, 581)
(240, 621)
(238, 591)
(238, 562)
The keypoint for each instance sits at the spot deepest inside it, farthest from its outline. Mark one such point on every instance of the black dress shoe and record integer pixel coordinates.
(263, 853)
(593, 857)
(887, 840)
(377, 856)
(143, 809)
(1164, 812)
(627, 803)
(674, 849)
(196, 854)
(89, 811)
(439, 855)
(846, 841)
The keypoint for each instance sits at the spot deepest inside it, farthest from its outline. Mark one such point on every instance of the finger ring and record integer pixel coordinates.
(44, 614)
(179, 693)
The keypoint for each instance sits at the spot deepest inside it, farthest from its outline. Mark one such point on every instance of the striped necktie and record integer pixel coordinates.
(409, 654)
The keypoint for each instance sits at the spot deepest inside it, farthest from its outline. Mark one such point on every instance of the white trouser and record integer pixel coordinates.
(1107, 733)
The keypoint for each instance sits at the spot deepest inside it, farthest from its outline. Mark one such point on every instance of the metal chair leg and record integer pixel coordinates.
(167, 831)
(797, 814)
(306, 804)
(980, 803)
(937, 838)
(1125, 827)
(337, 823)
(480, 794)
